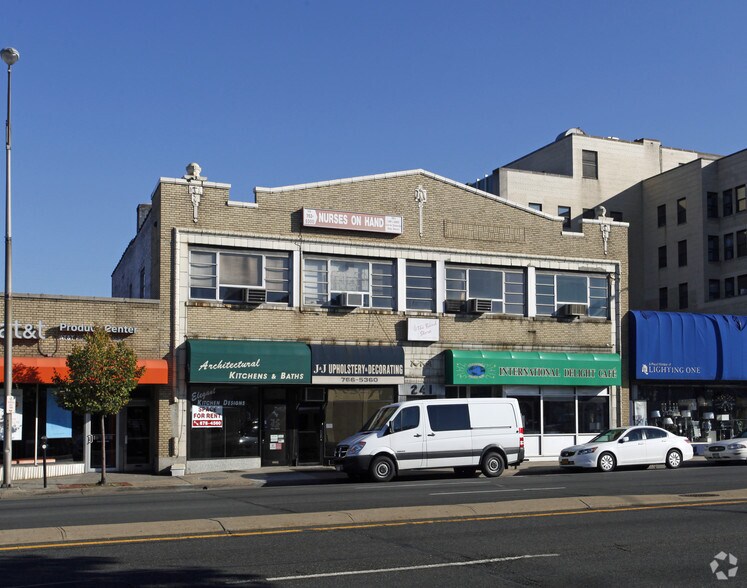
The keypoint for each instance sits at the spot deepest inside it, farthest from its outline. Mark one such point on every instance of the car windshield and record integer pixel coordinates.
(610, 435)
(379, 419)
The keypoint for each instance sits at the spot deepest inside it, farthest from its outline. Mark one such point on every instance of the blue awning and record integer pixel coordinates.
(688, 346)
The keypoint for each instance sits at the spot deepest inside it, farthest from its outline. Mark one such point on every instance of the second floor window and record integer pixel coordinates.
(741, 243)
(661, 215)
(327, 282)
(506, 289)
(554, 290)
(682, 290)
(421, 286)
(714, 289)
(225, 275)
(729, 246)
(663, 256)
(663, 298)
(713, 247)
(682, 253)
(741, 197)
(728, 287)
(727, 203)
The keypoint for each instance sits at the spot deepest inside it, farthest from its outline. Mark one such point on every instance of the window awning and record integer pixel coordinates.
(248, 362)
(40, 370)
(688, 346)
(532, 368)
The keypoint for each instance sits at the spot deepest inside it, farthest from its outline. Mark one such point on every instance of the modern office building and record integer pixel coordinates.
(291, 318)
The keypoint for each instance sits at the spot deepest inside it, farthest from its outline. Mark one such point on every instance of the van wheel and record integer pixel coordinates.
(492, 465)
(382, 469)
(466, 472)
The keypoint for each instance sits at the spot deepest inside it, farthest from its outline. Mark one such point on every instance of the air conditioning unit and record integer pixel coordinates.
(570, 310)
(453, 306)
(352, 299)
(479, 305)
(254, 296)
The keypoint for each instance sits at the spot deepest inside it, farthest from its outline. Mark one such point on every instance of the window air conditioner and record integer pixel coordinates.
(351, 299)
(453, 306)
(570, 310)
(254, 296)
(479, 305)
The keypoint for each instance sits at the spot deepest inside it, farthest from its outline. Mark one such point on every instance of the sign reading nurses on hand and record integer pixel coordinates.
(352, 221)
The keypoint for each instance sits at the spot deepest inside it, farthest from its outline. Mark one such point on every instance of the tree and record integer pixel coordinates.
(102, 374)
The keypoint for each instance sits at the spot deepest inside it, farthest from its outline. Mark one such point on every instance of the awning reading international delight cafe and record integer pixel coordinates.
(688, 346)
(248, 362)
(40, 370)
(532, 368)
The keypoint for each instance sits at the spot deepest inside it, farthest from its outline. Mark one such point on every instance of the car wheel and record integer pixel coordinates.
(607, 462)
(674, 459)
(492, 465)
(467, 472)
(382, 469)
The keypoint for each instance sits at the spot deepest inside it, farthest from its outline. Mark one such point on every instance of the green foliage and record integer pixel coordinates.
(102, 375)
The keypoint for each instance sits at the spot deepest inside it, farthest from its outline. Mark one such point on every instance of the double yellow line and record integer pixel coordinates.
(367, 526)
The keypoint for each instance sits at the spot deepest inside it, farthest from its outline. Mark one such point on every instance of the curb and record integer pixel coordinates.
(19, 538)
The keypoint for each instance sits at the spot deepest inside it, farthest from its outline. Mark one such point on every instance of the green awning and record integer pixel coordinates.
(248, 362)
(532, 368)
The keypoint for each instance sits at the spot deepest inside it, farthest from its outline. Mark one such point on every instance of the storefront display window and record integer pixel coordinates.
(560, 415)
(348, 409)
(224, 422)
(530, 412)
(593, 414)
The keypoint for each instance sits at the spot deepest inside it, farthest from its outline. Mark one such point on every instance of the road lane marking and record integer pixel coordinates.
(501, 490)
(405, 568)
(354, 527)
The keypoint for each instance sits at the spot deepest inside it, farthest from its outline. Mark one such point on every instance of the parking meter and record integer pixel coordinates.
(44, 458)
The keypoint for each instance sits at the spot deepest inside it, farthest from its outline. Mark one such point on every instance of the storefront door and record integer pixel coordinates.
(310, 423)
(274, 434)
(137, 438)
(110, 427)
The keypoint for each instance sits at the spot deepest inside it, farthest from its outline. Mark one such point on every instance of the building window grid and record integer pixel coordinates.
(713, 248)
(507, 291)
(741, 198)
(714, 289)
(224, 275)
(712, 204)
(681, 211)
(663, 298)
(589, 164)
(728, 246)
(728, 287)
(727, 203)
(326, 279)
(742, 284)
(661, 215)
(662, 256)
(420, 280)
(742, 243)
(682, 253)
(683, 297)
(554, 290)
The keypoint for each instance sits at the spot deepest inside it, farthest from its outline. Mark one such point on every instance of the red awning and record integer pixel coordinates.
(40, 370)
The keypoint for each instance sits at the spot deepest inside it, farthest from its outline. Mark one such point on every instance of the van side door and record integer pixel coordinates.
(448, 436)
(407, 438)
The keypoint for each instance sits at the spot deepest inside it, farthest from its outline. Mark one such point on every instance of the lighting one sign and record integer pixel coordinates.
(352, 221)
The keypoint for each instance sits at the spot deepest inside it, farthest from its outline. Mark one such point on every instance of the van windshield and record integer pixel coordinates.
(379, 419)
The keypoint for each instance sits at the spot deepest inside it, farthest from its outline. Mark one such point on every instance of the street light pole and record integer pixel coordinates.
(9, 56)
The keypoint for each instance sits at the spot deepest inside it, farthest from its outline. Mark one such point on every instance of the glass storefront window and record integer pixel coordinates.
(224, 422)
(348, 409)
(560, 415)
(530, 412)
(593, 414)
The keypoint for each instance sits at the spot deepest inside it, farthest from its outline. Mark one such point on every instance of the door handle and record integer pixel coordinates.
(431, 434)
(417, 435)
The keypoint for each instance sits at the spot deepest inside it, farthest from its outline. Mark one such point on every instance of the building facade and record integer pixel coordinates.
(289, 320)
(45, 330)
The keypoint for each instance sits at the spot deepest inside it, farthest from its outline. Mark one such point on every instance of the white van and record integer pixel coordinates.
(466, 434)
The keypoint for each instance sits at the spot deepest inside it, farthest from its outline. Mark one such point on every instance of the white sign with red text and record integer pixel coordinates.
(207, 417)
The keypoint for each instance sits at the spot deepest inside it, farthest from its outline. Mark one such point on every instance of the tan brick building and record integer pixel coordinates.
(288, 320)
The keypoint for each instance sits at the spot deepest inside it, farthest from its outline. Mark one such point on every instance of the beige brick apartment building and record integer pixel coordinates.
(287, 321)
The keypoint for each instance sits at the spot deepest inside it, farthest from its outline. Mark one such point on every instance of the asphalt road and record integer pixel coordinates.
(657, 546)
(426, 489)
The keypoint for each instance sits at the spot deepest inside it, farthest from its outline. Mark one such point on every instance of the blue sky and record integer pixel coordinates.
(110, 96)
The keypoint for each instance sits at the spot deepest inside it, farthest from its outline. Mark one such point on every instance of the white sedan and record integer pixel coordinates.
(631, 446)
(730, 449)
